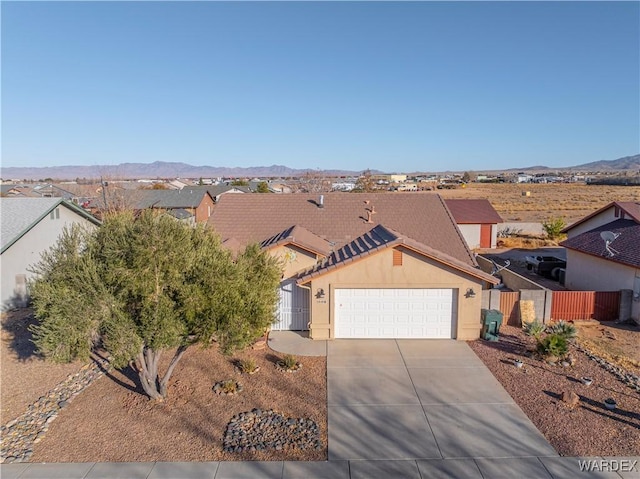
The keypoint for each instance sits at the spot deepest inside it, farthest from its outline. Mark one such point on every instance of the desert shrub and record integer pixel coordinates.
(533, 328)
(553, 227)
(563, 328)
(229, 386)
(248, 365)
(553, 345)
(289, 362)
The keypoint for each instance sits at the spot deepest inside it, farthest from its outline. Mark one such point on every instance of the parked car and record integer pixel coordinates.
(548, 266)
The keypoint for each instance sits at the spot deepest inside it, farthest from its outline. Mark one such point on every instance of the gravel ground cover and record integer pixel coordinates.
(584, 429)
(113, 421)
(24, 376)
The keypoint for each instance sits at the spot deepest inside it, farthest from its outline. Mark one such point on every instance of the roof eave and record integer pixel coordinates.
(61, 201)
(612, 259)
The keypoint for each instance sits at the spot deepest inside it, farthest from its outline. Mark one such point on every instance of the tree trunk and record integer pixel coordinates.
(147, 364)
(148, 377)
(165, 380)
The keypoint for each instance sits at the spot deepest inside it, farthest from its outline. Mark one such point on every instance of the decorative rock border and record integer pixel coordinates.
(281, 367)
(625, 377)
(259, 430)
(20, 434)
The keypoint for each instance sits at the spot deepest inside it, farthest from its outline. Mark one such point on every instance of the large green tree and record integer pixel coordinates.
(143, 285)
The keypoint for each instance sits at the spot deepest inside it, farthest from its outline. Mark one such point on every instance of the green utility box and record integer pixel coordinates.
(491, 322)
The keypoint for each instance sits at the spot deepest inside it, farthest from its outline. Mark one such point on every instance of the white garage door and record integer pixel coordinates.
(395, 313)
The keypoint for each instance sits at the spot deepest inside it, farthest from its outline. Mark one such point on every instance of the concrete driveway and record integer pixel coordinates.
(421, 399)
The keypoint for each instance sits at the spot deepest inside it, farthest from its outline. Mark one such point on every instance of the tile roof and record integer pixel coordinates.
(167, 199)
(217, 190)
(343, 217)
(377, 239)
(627, 244)
(18, 215)
(472, 211)
(631, 208)
(300, 236)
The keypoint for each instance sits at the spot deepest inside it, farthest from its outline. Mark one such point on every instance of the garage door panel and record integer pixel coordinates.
(395, 313)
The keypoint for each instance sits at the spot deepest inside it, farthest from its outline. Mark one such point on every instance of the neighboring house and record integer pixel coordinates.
(477, 220)
(362, 265)
(31, 226)
(190, 205)
(216, 191)
(603, 251)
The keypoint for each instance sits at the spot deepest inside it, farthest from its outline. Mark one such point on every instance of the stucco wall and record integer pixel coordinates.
(471, 234)
(27, 250)
(377, 271)
(603, 218)
(293, 259)
(590, 273)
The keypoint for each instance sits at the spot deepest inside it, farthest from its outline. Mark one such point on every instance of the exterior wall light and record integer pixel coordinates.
(470, 293)
(320, 293)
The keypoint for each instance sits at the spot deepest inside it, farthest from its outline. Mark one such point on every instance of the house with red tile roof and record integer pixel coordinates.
(603, 251)
(477, 220)
(374, 265)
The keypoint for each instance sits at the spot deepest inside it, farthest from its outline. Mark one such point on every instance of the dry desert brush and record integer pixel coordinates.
(142, 285)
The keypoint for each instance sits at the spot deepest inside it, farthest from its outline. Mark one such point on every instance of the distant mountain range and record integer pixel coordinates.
(161, 169)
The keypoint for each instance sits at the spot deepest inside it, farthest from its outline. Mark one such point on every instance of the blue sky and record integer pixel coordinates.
(397, 86)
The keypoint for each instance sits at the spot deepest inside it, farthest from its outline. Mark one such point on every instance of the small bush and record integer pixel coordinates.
(553, 228)
(248, 365)
(289, 362)
(553, 345)
(563, 328)
(229, 386)
(534, 328)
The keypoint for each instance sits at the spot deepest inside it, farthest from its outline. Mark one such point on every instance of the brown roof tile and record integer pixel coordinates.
(468, 211)
(626, 245)
(300, 236)
(379, 238)
(631, 208)
(420, 216)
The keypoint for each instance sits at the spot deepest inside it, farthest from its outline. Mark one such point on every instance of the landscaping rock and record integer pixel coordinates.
(260, 430)
(20, 434)
(570, 398)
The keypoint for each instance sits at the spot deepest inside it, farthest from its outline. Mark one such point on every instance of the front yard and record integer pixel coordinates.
(112, 420)
(584, 429)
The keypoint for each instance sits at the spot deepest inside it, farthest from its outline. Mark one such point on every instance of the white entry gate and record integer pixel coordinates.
(293, 309)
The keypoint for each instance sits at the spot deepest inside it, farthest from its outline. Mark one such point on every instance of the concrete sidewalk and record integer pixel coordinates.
(530, 468)
(296, 343)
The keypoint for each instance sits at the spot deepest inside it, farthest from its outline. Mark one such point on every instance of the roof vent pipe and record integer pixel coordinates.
(321, 202)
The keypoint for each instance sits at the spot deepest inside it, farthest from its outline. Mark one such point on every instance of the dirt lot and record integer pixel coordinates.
(568, 200)
(618, 343)
(25, 376)
(586, 429)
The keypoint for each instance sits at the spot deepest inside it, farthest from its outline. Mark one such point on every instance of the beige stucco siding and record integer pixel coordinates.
(377, 271)
(603, 218)
(590, 273)
(27, 250)
(294, 259)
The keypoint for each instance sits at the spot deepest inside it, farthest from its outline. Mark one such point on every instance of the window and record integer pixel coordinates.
(397, 257)
(55, 214)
